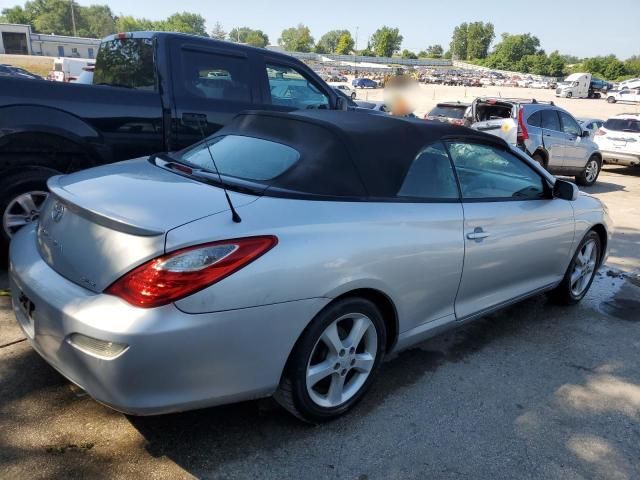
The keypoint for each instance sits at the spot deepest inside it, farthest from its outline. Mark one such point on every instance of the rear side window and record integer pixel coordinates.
(290, 88)
(623, 125)
(243, 157)
(430, 176)
(534, 120)
(216, 77)
(550, 120)
(126, 63)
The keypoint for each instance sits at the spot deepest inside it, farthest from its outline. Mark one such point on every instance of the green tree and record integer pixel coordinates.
(328, 42)
(128, 23)
(409, 54)
(99, 21)
(16, 14)
(557, 64)
(479, 38)
(345, 44)
(218, 32)
(296, 39)
(458, 45)
(256, 38)
(608, 67)
(632, 65)
(386, 41)
(512, 50)
(185, 22)
(434, 51)
(54, 16)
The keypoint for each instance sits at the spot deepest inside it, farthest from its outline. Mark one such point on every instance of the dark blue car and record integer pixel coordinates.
(364, 83)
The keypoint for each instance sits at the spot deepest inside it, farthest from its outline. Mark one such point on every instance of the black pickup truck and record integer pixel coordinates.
(151, 92)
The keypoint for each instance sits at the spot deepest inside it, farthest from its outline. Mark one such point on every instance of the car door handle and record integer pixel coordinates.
(478, 234)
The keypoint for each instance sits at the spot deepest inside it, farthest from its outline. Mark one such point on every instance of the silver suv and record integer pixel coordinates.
(545, 131)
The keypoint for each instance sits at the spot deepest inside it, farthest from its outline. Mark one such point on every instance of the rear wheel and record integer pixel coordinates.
(590, 173)
(611, 99)
(21, 197)
(581, 271)
(334, 361)
(538, 157)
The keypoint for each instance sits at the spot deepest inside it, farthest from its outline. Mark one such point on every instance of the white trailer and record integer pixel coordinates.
(68, 69)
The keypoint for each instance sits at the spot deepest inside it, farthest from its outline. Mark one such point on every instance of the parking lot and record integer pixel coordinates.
(536, 391)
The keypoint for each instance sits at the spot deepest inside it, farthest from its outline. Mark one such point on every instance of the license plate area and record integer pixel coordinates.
(26, 309)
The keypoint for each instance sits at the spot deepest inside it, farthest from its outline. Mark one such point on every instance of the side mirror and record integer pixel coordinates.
(341, 103)
(565, 190)
(585, 134)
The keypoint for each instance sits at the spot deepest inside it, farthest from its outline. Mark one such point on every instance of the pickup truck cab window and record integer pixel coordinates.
(217, 77)
(486, 172)
(127, 63)
(290, 88)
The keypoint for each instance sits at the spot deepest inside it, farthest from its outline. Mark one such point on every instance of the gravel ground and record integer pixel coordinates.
(535, 391)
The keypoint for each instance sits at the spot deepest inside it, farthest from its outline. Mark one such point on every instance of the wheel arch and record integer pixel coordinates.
(602, 233)
(544, 154)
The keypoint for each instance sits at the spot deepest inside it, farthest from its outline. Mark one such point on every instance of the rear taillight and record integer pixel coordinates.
(181, 273)
(523, 134)
(600, 132)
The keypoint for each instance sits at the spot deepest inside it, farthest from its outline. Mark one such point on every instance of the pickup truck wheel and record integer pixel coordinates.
(21, 197)
(590, 173)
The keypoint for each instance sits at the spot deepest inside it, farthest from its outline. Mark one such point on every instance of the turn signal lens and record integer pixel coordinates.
(181, 273)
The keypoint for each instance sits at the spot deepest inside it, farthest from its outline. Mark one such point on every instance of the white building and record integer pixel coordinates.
(20, 40)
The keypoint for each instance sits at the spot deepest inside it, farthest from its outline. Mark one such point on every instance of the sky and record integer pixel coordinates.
(578, 27)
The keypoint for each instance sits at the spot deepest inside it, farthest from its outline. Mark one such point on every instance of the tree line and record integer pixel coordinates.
(470, 41)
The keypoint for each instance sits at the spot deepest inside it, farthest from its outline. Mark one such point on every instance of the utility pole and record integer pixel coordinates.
(355, 52)
(73, 19)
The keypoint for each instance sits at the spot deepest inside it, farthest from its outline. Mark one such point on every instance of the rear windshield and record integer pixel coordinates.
(623, 125)
(126, 63)
(493, 111)
(247, 158)
(448, 111)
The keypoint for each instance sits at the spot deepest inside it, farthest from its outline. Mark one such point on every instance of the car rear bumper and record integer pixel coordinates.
(173, 361)
(621, 158)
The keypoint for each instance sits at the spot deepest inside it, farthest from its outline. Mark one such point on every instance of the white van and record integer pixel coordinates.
(575, 85)
(68, 69)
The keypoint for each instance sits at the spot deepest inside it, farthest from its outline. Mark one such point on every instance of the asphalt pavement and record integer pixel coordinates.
(535, 391)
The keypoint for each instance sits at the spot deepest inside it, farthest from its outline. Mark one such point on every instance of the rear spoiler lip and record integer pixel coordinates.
(104, 218)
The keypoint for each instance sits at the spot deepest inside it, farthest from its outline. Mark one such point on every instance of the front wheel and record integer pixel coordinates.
(581, 271)
(569, 95)
(334, 361)
(590, 173)
(353, 96)
(611, 100)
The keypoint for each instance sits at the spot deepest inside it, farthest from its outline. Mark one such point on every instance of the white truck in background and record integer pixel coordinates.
(576, 85)
(68, 69)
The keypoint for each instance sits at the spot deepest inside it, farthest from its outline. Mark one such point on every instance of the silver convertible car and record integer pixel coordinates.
(344, 236)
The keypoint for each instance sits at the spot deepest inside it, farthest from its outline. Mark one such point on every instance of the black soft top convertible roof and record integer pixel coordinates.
(347, 153)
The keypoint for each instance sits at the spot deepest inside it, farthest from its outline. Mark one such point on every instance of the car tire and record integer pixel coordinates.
(590, 173)
(30, 180)
(343, 371)
(611, 99)
(539, 158)
(569, 94)
(353, 96)
(570, 292)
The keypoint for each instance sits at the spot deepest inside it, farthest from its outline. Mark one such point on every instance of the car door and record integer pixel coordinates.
(210, 86)
(517, 237)
(553, 138)
(576, 149)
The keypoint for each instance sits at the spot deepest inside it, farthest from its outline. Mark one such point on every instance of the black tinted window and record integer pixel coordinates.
(126, 63)
(446, 111)
(216, 77)
(623, 124)
(534, 120)
(487, 172)
(569, 125)
(430, 176)
(550, 121)
(243, 157)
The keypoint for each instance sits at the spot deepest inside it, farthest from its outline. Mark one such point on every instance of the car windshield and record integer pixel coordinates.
(448, 111)
(623, 125)
(247, 158)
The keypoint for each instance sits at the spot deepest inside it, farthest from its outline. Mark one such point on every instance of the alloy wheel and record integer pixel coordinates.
(591, 171)
(584, 268)
(341, 360)
(22, 210)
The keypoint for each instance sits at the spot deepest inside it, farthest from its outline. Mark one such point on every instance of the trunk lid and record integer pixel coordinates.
(100, 223)
(496, 117)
